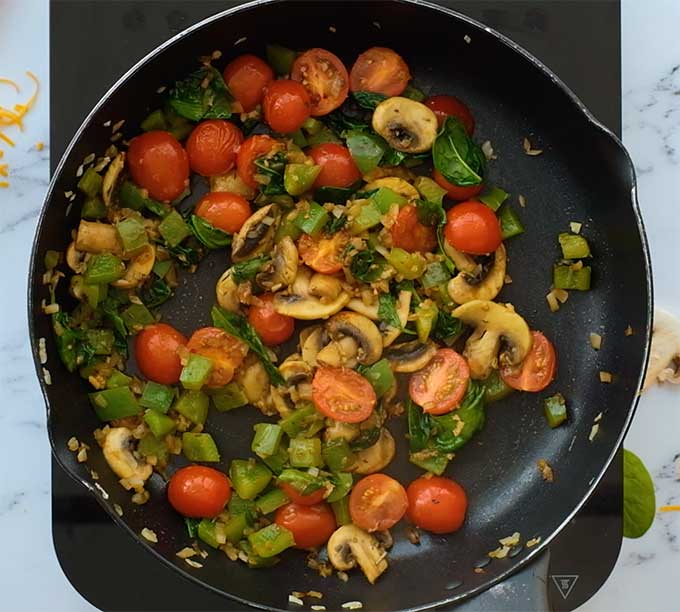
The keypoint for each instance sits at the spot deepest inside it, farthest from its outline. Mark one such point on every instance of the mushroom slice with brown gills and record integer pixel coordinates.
(253, 379)
(407, 126)
(410, 356)
(496, 327)
(111, 177)
(226, 291)
(462, 290)
(295, 370)
(281, 270)
(339, 353)
(389, 333)
(299, 303)
(362, 330)
(138, 269)
(117, 450)
(463, 261)
(256, 236)
(377, 457)
(350, 546)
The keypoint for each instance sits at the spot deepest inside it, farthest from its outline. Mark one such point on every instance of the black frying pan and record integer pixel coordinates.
(584, 175)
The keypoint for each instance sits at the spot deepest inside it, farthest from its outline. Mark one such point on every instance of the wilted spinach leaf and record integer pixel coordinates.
(212, 237)
(430, 213)
(387, 310)
(155, 292)
(335, 224)
(202, 95)
(272, 168)
(368, 99)
(447, 329)
(367, 266)
(457, 156)
(246, 270)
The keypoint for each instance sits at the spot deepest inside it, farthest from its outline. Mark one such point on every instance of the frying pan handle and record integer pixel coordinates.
(525, 591)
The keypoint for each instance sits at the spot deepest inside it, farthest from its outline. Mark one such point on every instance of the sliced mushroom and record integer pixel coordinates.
(396, 184)
(462, 291)
(232, 183)
(389, 334)
(493, 324)
(95, 237)
(138, 269)
(256, 236)
(349, 546)
(312, 340)
(325, 286)
(226, 291)
(278, 401)
(337, 430)
(111, 177)
(339, 353)
(118, 454)
(300, 304)
(75, 259)
(410, 356)
(664, 356)
(253, 379)
(406, 125)
(281, 271)
(295, 370)
(377, 457)
(362, 330)
(463, 262)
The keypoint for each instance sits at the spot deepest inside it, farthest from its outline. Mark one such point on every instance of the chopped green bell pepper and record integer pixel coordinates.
(280, 58)
(278, 461)
(157, 397)
(199, 447)
(288, 227)
(174, 229)
(271, 540)
(207, 533)
(136, 317)
(413, 93)
(409, 265)
(160, 424)
(228, 397)
(254, 560)
(194, 406)
(267, 439)
(118, 379)
(52, 259)
(298, 178)
(196, 372)
(341, 510)
(430, 460)
(429, 189)
(384, 198)
(271, 500)
(103, 268)
(493, 197)
(380, 376)
(426, 317)
(101, 340)
(161, 268)
(555, 408)
(312, 220)
(303, 482)
(117, 403)
(131, 196)
(495, 388)
(337, 454)
(574, 246)
(305, 452)
(368, 216)
(366, 149)
(91, 182)
(342, 485)
(151, 446)
(304, 421)
(154, 121)
(242, 507)
(235, 526)
(564, 277)
(248, 477)
(510, 223)
(132, 234)
(93, 208)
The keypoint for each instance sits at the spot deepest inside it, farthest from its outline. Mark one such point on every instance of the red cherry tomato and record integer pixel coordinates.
(212, 147)
(246, 77)
(159, 164)
(199, 492)
(343, 394)
(302, 500)
(156, 353)
(410, 234)
(286, 105)
(377, 502)
(311, 526)
(252, 148)
(380, 70)
(436, 504)
(273, 328)
(325, 78)
(456, 192)
(537, 370)
(323, 254)
(337, 166)
(472, 227)
(224, 210)
(450, 106)
(226, 352)
(440, 386)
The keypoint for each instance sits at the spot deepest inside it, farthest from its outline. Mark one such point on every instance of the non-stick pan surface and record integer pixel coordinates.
(584, 175)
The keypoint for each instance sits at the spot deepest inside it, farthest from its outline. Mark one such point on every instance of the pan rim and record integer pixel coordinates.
(484, 30)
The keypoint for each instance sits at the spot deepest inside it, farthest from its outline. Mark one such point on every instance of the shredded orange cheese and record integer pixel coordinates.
(669, 509)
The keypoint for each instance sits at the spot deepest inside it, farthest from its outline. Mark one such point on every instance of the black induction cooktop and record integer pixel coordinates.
(92, 44)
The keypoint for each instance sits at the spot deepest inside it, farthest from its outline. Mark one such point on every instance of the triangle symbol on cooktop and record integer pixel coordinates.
(564, 583)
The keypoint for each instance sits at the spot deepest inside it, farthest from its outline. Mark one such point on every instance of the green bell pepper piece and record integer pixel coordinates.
(495, 388)
(574, 246)
(304, 421)
(366, 149)
(426, 318)
(305, 452)
(136, 317)
(288, 227)
(343, 483)
(254, 560)
(242, 507)
(154, 121)
(493, 197)
(161, 268)
(409, 265)
(228, 397)
(430, 460)
(94, 294)
(194, 406)
(91, 182)
(117, 403)
(270, 501)
(510, 223)
(196, 372)
(174, 229)
(384, 198)
(303, 482)
(234, 527)
(103, 268)
(118, 379)
(152, 446)
(271, 540)
(131, 196)
(278, 461)
(51, 259)
(93, 208)
(101, 340)
(160, 424)
(566, 278)
(313, 220)
(429, 189)
(199, 447)
(280, 58)
(322, 136)
(132, 234)
(337, 455)
(555, 408)
(157, 397)
(413, 93)
(341, 510)
(369, 216)
(298, 178)
(380, 376)
(248, 477)
(435, 274)
(206, 533)
(267, 439)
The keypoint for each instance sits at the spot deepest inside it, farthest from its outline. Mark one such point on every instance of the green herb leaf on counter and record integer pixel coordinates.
(639, 499)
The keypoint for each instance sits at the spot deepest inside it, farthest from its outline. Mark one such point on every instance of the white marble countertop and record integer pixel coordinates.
(646, 575)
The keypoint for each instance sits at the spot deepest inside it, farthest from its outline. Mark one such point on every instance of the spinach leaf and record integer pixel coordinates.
(440, 241)
(202, 95)
(192, 526)
(110, 308)
(447, 434)
(246, 270)
(272, 168)
(393, 157)
(210, 236)
(335, 195)
(350, 116)
(368, 99)
(335, 224)
(367, 438)
(457, 156)
(367, 266)
(447, 329)
(387, 310)
(155, 293)
(238, 326)
(419, 427)
(414, 93)
(639, 499)
(186, 254)
(430, 213)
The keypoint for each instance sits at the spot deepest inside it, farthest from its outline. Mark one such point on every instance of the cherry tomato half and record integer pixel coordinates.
(450, 106)
(273, 328)
(226, 352)
(436, 504)
(252, 148)
(323, 254)
(440, 386)
(156, 353)
(537, 370)
(246, 77)
(343, 394)
(212, 147)
(337, 166)
(472, 227)
(377, 502)
(286, 105)
(456, 192)
(302, 500)
(325, 78)
(410, 234)
(224, 210)
(380, 70)
(199, 492)
(159, 164)
(311, 526)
